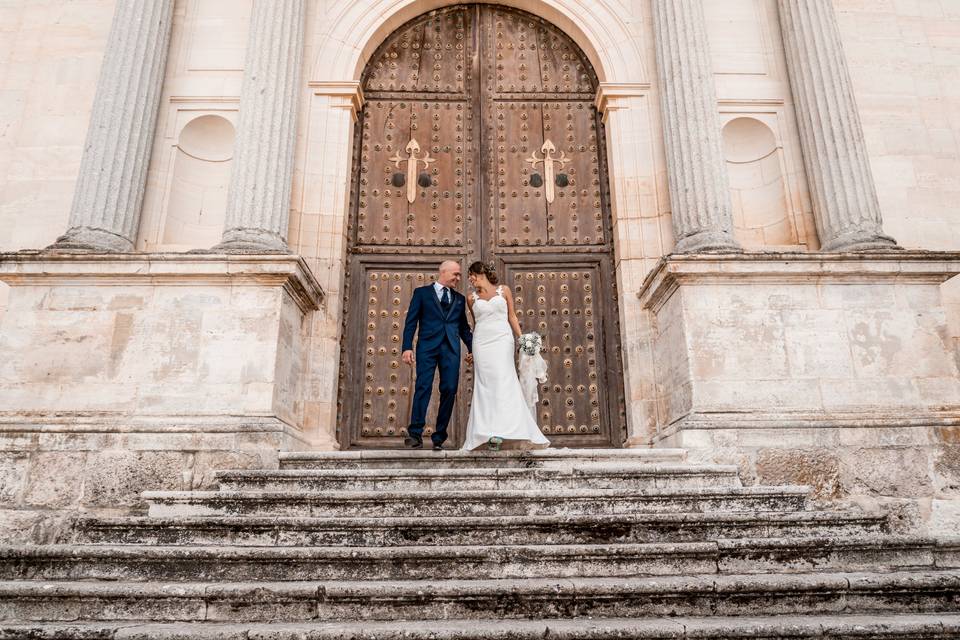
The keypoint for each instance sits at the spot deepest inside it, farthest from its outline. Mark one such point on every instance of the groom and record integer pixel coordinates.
(440, 314)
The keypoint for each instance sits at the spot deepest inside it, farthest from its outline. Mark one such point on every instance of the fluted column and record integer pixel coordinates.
(834, 153)
(258, 201)
(105, 213)
(697, 172)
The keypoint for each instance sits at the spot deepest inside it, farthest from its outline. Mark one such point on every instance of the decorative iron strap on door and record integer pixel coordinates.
(479, 141)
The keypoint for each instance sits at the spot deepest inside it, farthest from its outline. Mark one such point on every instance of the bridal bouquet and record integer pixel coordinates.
(530, 343)
(533, 369)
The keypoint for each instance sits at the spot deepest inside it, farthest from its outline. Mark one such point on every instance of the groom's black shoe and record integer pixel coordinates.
(438, 447)
(413, 443)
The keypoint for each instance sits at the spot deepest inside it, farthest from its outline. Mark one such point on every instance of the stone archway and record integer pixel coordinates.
(481, 92)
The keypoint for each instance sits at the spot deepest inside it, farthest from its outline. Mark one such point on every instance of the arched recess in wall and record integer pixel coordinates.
(763, 217)
(197, 200)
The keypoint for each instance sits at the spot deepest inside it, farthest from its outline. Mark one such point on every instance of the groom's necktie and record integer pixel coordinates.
(445, 300)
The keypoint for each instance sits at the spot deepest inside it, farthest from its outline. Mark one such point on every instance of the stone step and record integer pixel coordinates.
(473, 503)
(640, 476)
(148, 563)
(936, 626)
(391, 532)
(447, 459)
(483, 600)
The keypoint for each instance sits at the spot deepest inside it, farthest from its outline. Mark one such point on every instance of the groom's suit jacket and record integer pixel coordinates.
(435, 326)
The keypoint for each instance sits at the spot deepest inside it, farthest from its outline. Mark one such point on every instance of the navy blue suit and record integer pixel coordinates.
(438, 346)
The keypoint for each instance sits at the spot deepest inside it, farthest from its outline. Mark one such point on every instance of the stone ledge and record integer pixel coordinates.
(785, 421)
(931, 626)
(165, 269)
(926, 267)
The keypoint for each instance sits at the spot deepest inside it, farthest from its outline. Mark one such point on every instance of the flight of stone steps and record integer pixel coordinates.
(497, 545)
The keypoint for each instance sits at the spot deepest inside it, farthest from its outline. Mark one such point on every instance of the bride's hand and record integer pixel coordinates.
(469, 358)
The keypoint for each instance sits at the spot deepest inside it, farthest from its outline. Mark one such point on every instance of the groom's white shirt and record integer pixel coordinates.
(438, 288)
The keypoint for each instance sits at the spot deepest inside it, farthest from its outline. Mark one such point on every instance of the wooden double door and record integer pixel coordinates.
(479, 140)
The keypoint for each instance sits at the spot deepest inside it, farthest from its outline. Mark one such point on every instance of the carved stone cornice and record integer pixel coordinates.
(165, 269)
(929, 267)
(612, 96)
(348, 94)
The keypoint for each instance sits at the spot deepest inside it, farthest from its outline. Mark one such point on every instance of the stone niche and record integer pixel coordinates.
(130, 372)
(833, 370)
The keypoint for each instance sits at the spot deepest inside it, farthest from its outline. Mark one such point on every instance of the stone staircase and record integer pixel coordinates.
(507, 545)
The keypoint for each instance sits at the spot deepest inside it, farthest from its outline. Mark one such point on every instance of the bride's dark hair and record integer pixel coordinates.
(478, 268)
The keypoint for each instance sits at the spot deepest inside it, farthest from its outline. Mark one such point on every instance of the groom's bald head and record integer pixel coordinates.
(449, 275)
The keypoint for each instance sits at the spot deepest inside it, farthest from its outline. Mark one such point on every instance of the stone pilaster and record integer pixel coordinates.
(834, 153)
(258, 201)
(105, 213)
(697, 173)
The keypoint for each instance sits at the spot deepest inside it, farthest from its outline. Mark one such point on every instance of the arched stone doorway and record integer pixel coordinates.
(479, 139)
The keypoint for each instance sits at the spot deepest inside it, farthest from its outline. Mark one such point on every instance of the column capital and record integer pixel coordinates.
(347, 94)
(613, 96)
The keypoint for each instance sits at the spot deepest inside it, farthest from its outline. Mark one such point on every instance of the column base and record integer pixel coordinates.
(707, 241)
(251, 241)
(861, 241)
(90, 240)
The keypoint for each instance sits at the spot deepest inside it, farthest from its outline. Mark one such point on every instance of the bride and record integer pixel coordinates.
(498, 411)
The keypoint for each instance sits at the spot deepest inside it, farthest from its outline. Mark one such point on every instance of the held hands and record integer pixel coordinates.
(469, 358)
(407, 357)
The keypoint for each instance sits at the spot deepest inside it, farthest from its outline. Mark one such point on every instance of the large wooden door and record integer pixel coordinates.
(479, 140)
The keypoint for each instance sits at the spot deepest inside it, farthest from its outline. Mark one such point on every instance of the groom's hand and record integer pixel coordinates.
(407, 357)
(469, 358)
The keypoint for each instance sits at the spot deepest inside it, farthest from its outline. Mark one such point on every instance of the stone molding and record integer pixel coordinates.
(928, 267)
(900, 419)
(348, 94)
(171, 269)
(612, 96)
(208, 430)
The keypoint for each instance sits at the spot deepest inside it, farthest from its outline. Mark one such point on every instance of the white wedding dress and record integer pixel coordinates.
(498, 407)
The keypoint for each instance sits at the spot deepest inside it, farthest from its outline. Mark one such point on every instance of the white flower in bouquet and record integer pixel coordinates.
(531, 343)
(533, 369)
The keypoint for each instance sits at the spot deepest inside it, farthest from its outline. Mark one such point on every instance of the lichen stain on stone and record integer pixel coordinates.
(182, 349)
(873, 344)
(119, 341)
(818, 469)
(949, 435)
(947, 467)
(126, 302)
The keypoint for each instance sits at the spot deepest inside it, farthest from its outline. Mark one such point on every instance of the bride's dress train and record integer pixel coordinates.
(498, 408)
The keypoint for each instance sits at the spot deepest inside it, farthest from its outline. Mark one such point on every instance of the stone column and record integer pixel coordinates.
(105, 214)
(258, 200)
(697, 171)
(834, 153)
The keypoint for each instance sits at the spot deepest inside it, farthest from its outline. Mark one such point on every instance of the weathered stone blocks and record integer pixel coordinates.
(126, 373)
(832, 370)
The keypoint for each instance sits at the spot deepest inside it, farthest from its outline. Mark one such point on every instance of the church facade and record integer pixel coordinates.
(733, 222)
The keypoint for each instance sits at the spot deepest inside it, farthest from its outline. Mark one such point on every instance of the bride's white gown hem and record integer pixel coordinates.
(498, 407)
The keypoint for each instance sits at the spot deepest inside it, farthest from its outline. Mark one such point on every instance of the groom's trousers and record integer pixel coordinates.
(441, 357)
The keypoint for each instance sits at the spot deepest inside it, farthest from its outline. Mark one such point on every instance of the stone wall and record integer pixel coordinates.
(832, 370)
(130, 372)
(49, 63)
